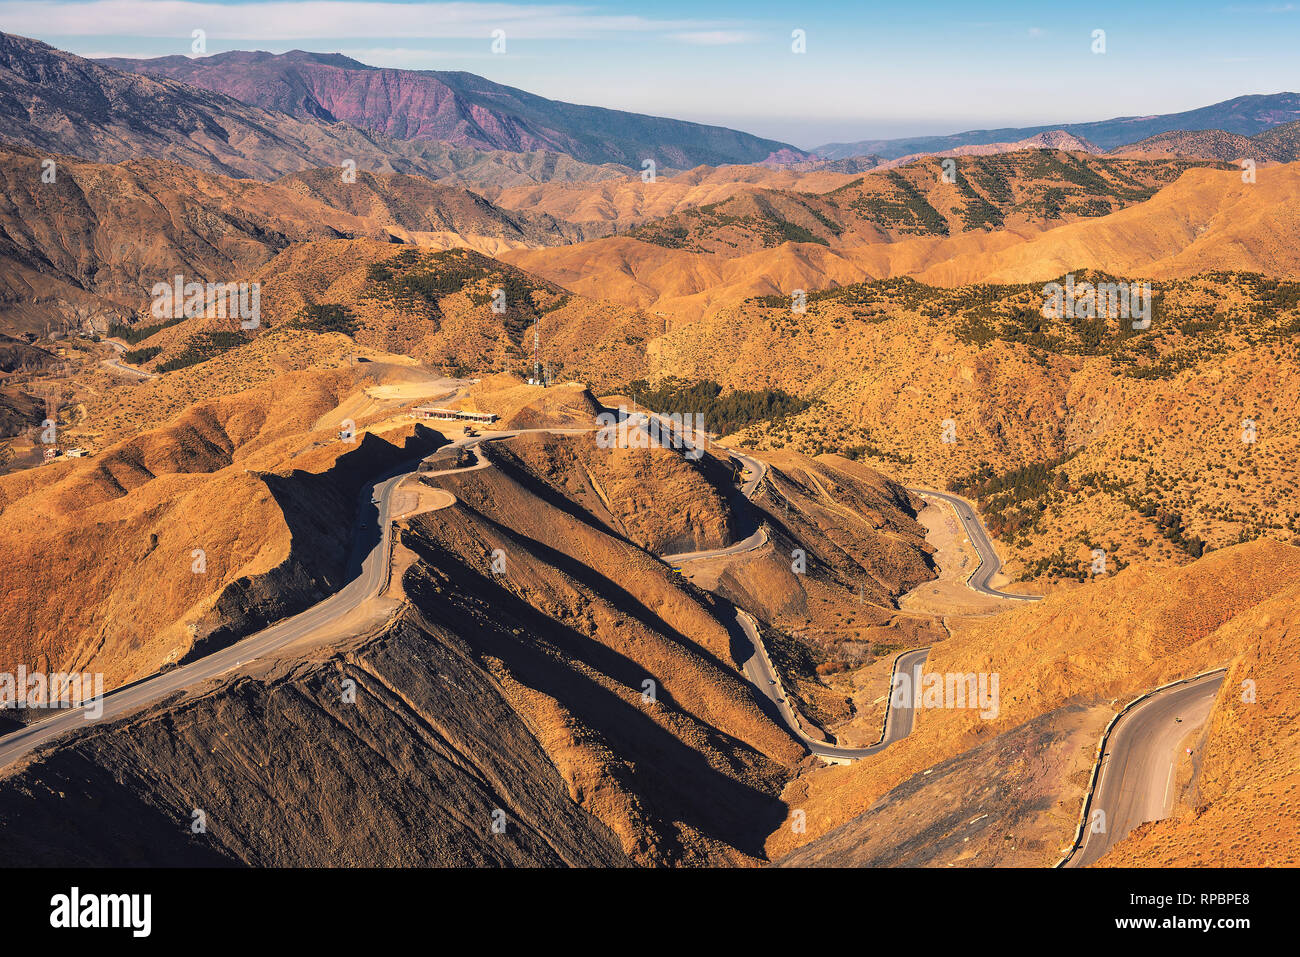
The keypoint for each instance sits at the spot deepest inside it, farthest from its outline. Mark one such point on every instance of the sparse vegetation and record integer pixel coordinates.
(723, 414)
(137, 357)
(133, 334)
(326, 317)
(202, 347)
(416, 281)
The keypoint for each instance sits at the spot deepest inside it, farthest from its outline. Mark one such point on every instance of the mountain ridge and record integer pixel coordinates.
(1277, 144)
(1247, 115)
(62, 103)
(456, 107)
(73, 250)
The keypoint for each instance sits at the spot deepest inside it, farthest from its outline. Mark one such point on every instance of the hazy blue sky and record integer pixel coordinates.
(871, 69)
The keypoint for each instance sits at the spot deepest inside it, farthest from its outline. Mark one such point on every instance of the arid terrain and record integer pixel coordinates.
(342, 436)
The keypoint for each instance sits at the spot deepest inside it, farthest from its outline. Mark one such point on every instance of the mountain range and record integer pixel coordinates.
(1245, 115)
(463, 109)
(266, 115)
(66, 104)
(456, 107)
(611, 647)
(87, 244)
(1278, 144)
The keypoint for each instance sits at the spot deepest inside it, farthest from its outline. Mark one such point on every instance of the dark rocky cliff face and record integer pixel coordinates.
(287, 772)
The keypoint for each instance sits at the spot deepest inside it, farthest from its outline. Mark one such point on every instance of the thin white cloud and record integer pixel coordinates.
(309, 19)
(713, 38)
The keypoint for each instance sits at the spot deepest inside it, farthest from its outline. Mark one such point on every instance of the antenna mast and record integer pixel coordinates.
(537, 338)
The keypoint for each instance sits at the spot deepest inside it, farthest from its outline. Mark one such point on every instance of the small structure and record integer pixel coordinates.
(75, 453)
(453, 415)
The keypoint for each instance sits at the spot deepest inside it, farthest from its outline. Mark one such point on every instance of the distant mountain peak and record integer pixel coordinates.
(1245, 115)
(1277, 144)
(328, 59)
(459, 108)
(62, 103)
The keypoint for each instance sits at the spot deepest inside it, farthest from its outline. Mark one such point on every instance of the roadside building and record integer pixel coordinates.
(453, 415)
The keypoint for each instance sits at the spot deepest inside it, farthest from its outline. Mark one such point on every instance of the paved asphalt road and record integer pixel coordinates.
(747, 544)
(1141, 743)
(757, 667)
(1136, 782)
(366, 575)
(898, 720)
(756, 471)
(989, 564)
(117, 365)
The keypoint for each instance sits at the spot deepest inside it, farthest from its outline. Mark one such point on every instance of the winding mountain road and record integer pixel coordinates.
(367, 574)
(117, 365)
(1139, 764)
(899, 718)
(990, 564)
(1133, 784)
(757, 666)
